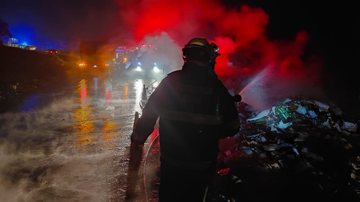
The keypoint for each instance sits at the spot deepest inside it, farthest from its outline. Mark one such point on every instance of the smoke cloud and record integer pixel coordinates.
(240, 34)
(164, 51)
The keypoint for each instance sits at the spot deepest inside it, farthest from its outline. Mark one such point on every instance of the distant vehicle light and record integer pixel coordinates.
(156, 68)
(52, 51)
(107, 64)
(82, 64)
(138, 69)
(95, 66)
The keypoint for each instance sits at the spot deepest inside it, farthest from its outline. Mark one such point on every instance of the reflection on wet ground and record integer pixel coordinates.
(74, 148)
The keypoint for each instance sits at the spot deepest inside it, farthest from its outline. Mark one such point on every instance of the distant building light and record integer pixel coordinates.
(32, 48)
(12, 42)
(12, 45)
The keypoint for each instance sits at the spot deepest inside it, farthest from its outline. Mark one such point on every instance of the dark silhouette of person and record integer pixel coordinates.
(195, 111)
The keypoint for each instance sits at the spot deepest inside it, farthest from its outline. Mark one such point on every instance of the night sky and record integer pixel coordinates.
(333, 28)
(331, 24)
(57, 24)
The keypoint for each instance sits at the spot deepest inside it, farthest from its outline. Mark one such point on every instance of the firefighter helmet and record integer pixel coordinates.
(200, 49)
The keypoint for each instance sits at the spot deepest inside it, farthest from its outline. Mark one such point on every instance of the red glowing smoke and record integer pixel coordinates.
(239, 32)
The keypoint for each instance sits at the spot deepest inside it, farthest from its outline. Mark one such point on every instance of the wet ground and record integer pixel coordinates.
(74, 145)
(71, 142)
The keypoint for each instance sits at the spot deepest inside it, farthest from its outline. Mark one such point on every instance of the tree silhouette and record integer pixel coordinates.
(4, 30)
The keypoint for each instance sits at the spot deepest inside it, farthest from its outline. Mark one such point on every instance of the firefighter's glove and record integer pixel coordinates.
(136, 139)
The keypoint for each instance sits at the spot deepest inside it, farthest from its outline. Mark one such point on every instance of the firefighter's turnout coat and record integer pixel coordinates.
(195, 110)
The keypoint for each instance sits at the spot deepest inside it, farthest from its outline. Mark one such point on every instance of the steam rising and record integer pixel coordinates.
(241, 35)
(268, 87)
(164, 51)
(41, 161)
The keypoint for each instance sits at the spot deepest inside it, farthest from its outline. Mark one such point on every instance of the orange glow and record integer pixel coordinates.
(108, 91)
(83, 125)
(125, 59)
(109, 131)
(109, 126)
(83, 90)
(126, 91)
(82, 65)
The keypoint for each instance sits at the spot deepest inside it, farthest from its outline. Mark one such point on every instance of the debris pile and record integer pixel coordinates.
(300, 147)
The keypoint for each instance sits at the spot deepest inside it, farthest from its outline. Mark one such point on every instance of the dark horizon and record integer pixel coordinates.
(55, 24)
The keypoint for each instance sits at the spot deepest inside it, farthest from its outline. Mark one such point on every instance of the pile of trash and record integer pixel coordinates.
(299, 148)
